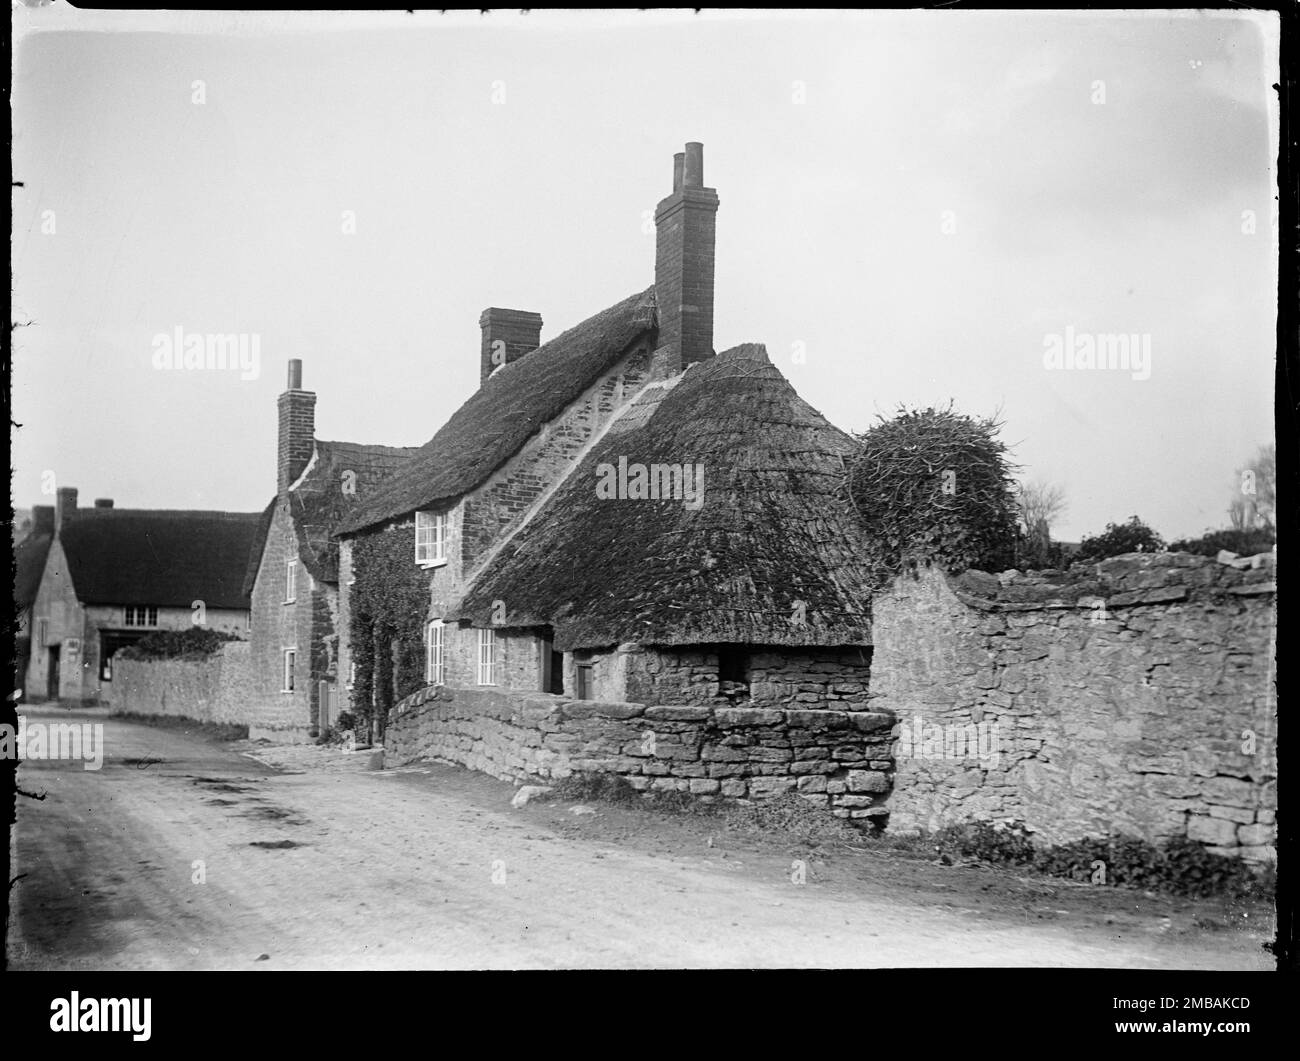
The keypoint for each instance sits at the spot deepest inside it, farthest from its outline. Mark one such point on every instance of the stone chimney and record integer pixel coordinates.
(103, 502)
(685, 224)
(297, 430)
(65, 506)
(508, 334)
(43, 519)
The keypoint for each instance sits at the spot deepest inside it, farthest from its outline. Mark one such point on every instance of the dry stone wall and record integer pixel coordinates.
(836, 759)
(1132, 697)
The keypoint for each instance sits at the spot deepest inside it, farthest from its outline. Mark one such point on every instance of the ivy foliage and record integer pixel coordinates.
(933, 485)
(192, 643)
(390, 600)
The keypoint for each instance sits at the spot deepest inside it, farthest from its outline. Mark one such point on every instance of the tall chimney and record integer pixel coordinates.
(43, 519)
(508, 334)
(297, 430)
(685, 226)
(103, 502)
(65, 506)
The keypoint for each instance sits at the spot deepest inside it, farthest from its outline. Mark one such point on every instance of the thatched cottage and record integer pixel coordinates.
(617, 514)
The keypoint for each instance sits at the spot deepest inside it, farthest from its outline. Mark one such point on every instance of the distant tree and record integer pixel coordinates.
(1254, 494)
(1119, 538)
(935, 485)
(1039, 504)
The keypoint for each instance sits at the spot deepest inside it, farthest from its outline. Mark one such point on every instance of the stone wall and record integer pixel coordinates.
(834, 758)
(801, 678)
(217, 688)
(1132, 697)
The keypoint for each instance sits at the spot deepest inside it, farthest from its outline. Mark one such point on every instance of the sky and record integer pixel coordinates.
(913, 204)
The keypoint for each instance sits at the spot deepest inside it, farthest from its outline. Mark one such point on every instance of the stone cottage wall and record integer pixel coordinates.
(807, 678)
(834, 758)
(1129, 697)
(217, 688)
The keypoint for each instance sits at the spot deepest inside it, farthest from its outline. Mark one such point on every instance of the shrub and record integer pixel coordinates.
(611, 788)
(1119, 538)
(194, 642)
(933, 485)
(1235, 540)
(1179, 866)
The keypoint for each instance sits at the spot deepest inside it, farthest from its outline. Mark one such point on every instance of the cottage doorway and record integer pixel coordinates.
(52, 675)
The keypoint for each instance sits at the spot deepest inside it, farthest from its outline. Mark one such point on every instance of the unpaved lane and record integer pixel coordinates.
(343, 868)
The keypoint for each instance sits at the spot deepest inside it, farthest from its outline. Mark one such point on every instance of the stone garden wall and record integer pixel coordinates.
(837, 759)
(1133, 697)
(215, 688)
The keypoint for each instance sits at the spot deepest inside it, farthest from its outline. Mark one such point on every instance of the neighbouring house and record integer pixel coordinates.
(619, 514)
(31, 547)
(292, 580)
(111, 576)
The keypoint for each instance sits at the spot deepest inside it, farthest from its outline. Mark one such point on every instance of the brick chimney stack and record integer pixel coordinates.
(103, 502)
(508, 334)
(685, 226)
(297, 430)
(43, 519)
(65, 506)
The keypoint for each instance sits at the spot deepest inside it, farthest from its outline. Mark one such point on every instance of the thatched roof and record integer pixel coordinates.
(29, 566)
(772, 531)
(161, 557)
(325, 495)
(512, 405)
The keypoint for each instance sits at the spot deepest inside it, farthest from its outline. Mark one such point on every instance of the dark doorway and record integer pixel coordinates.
(110, 641)
(586, 681)
(733, 671)
(52, 677)
(551, 665)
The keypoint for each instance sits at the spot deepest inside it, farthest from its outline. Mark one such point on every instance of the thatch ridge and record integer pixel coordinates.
(773, 529)
(512, 405)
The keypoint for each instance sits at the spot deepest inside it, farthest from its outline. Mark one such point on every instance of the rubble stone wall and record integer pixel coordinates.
(1132, 697)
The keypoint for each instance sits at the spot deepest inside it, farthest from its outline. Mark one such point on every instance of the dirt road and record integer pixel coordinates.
(181, 853)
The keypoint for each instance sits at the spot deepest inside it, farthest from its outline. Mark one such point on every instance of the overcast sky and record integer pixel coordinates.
(911, 203)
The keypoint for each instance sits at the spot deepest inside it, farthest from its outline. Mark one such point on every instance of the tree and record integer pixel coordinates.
(1254, 496)
(1119, 538)
(1039, 504)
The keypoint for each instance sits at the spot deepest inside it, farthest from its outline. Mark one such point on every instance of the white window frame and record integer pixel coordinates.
(140, 615)
(435, 663)
(42, 632)
(431, 538)
(291, 581)
(288, 677)
(487, 656)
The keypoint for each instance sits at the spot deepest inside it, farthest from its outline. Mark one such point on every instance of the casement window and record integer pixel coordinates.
(433, 664)
(42, 632)
(430, 538)
(141, 615)
(290, 661)
(290, 581)
(487, 657)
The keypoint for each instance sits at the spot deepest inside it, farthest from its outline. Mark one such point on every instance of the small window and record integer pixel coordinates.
(733, 672)
(586, 681)
(487, 651)
(352, 674)
(42, 632)
(430, 538)
(290, 660)
(433, 669)
(290, 581)
(140, 615)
